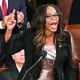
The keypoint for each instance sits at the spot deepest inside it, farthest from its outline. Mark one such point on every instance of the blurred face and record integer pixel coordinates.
(19, 57)
(52, 19)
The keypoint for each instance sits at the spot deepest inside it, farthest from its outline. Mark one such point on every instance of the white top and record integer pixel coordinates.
(19, 69)
(51, 54)
(1, 8)
(51, 51)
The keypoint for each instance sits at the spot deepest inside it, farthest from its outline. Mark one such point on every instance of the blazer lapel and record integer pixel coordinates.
(14, 71)
(58, 51)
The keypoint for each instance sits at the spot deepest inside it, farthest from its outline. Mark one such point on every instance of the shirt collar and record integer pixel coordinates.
(19, 69)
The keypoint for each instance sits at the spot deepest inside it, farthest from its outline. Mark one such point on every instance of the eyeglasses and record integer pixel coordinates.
(51, 16)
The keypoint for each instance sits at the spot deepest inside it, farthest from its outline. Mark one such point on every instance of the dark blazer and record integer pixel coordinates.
(18, 5)
(9, 74)
(63, 67)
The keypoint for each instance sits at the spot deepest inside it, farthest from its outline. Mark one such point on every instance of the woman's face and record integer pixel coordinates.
(52, 19)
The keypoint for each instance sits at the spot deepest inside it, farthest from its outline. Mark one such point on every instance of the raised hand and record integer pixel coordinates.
(11, 22)
(20, 17)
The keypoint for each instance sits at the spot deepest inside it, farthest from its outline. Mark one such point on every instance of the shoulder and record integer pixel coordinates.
(66, 32)
(8, 73)
(68, 35)
(4, 74)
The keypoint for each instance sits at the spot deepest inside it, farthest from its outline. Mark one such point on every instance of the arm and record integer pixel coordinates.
(10, 25)
(9, 46)
(68, 68)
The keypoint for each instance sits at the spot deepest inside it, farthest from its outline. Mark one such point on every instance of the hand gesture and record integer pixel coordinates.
(20, 17)
(11, 22)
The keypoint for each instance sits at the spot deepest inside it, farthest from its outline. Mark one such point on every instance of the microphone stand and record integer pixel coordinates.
(32, 67)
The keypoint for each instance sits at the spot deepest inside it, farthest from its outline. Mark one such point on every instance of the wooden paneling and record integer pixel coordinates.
(65, 6)
(75, 41)
(1, 69)
(75, 26)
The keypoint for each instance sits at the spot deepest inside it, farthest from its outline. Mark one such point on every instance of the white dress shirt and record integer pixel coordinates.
(19, 69)
(1, 27)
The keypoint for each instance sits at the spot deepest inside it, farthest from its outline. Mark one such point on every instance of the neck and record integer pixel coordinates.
(49, 38)
(49, 34)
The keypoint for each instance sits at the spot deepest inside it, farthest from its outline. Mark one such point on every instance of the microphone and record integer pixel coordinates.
(43, 54)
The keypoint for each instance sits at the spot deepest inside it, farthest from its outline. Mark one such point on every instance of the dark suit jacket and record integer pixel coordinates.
(18, 5)
(63, 67)
(43, 2)
(74, 17)
(9, 74)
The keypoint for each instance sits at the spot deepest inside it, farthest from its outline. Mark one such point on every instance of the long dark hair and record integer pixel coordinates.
(38, 22)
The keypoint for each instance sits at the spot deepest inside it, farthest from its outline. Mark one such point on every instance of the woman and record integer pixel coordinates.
(47, 33)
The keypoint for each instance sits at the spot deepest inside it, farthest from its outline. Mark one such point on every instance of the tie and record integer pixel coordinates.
(4, 8)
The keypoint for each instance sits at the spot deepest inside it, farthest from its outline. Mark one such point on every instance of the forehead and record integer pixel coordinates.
(51, 10)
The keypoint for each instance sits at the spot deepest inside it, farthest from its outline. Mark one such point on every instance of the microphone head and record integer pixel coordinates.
(43, 54)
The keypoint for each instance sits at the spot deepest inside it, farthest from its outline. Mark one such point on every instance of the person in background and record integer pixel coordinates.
(43, 2)
(46, 34)
(9, 7)
(29, 9)
(74, 17)
(12, 72)
(30, 12)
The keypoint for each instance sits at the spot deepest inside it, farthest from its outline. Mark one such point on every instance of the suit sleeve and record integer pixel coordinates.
(13, 46)
(68, 68)
(23, 9)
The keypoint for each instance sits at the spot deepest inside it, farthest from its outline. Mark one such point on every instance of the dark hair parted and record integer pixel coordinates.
(38, 21)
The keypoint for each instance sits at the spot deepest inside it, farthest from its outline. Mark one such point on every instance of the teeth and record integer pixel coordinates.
(54, 23)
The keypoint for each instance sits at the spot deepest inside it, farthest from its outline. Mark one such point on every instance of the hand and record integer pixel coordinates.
(11, 22)
(20, 17)
(8, 17)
